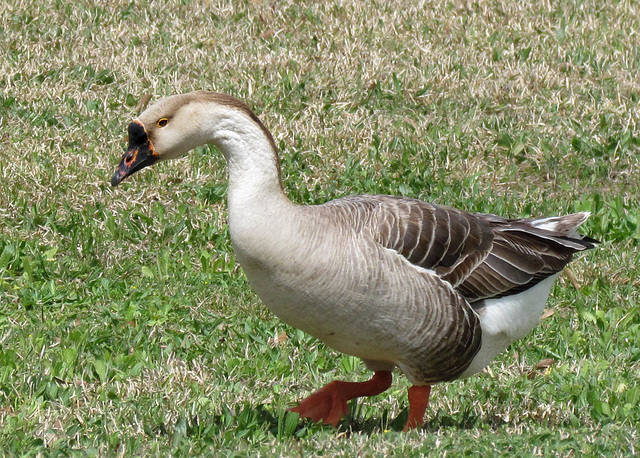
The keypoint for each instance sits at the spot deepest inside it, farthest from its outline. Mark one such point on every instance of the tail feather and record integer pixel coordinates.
(566, 227)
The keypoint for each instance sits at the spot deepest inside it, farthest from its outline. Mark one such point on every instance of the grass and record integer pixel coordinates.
(126, 327)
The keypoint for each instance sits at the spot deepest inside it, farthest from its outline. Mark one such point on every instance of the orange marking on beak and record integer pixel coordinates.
(132, 157)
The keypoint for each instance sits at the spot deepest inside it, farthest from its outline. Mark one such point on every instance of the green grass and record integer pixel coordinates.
(126, 326)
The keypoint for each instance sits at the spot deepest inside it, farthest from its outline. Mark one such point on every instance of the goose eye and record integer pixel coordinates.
(162, 122)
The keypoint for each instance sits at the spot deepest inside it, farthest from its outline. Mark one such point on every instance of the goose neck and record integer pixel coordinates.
(252, 160)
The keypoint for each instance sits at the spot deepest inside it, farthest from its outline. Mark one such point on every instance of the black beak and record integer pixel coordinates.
(140, 154)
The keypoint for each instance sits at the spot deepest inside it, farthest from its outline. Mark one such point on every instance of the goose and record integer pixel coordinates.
(403, 284)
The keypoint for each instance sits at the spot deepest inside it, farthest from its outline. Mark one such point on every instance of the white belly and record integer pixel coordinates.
(507, 319)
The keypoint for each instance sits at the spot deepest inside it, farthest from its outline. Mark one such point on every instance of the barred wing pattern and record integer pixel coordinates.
(481, 256)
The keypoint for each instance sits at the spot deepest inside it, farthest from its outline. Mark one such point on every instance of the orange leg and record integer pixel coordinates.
(330, 403)
(418, 402)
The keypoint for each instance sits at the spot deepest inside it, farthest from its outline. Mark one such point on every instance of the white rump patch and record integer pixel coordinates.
(508, 319)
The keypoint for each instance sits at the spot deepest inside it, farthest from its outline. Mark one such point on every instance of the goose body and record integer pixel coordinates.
(434, 291)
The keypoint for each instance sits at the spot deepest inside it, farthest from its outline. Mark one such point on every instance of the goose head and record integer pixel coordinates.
(174, 125)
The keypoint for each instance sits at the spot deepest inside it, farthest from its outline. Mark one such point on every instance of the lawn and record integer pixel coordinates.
(126, 326)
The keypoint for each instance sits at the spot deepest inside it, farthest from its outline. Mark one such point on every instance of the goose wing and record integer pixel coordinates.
(480, 256)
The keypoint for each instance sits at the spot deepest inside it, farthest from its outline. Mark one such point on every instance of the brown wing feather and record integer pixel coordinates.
(521, 256)
(481, 256)
(432, 236)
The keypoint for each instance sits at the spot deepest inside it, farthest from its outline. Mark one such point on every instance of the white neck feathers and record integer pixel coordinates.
(254, 167)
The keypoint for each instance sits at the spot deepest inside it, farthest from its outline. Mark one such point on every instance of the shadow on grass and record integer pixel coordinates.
(464, 420)
(287, 424)
(248, 420)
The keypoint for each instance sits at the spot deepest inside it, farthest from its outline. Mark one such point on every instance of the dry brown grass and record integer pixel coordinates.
(443, 51)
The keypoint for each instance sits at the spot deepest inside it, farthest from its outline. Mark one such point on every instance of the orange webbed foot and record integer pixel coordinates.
(329, 404)
(326, 405)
